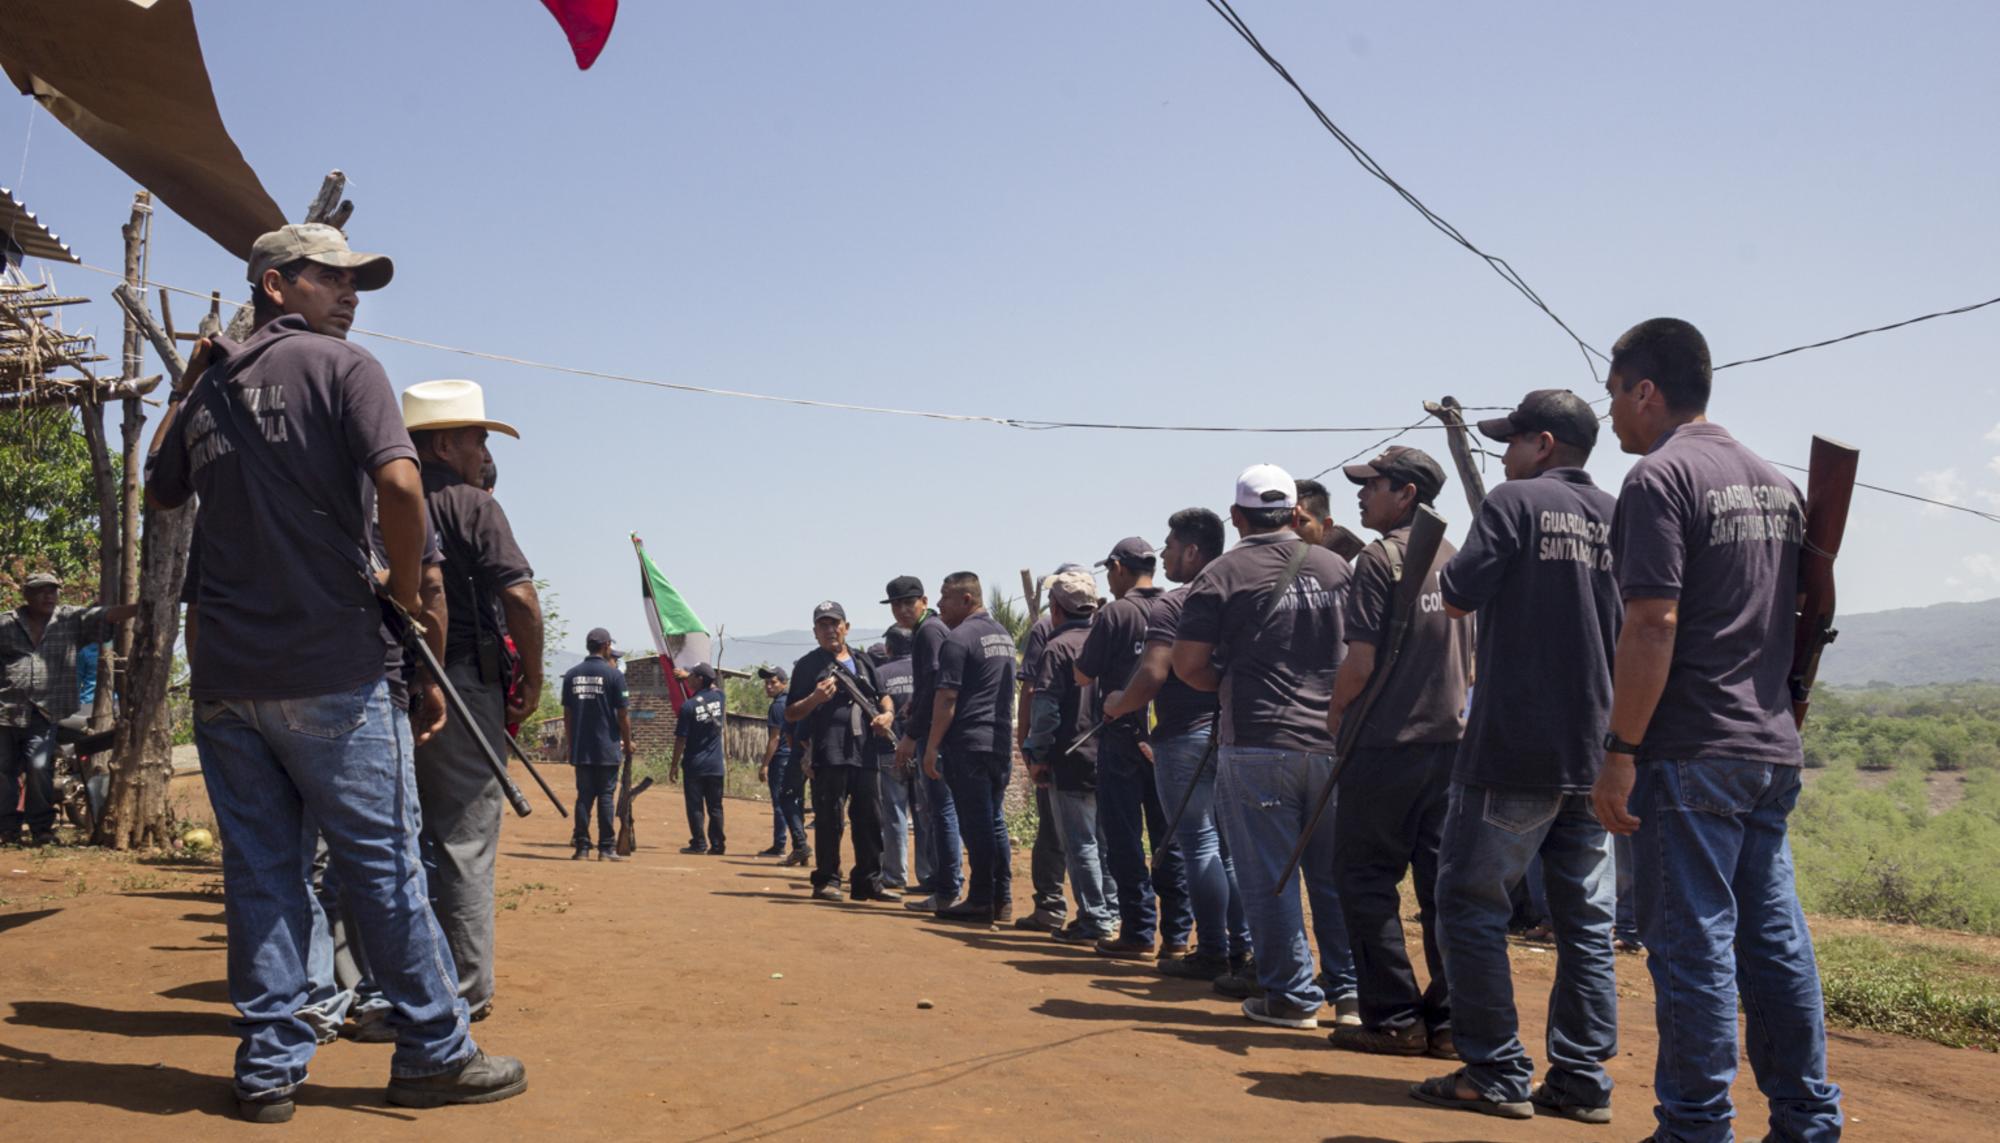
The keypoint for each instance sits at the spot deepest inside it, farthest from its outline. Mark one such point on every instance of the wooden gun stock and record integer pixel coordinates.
(1829, 490)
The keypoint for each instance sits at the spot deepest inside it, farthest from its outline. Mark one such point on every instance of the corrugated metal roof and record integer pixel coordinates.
(27, 231)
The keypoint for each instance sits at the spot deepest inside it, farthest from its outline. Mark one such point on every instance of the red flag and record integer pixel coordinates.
(587, 23)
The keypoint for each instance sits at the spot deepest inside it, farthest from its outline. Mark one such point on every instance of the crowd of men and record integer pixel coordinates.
(1586, 666)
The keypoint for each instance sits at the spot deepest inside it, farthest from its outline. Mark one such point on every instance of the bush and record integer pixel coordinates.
(1935, 993)
(1881, 854)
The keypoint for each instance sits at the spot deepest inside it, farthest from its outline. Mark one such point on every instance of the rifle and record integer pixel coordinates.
(1419, 553)
(410, 634)
(628, 835)
(1829, 488)
(515, 746)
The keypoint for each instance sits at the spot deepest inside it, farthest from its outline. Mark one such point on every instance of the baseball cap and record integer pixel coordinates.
(1557, 412)
(899, 641)
(1266, 486)
(317, 242)
(40, 579)
(598, 637)
(903, 587)
(1128, 551)
(778, 673)
(1408, 465)
(704, 670)
(1074, 591)
(829, 608)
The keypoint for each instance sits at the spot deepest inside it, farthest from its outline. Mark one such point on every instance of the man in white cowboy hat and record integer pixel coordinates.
(489, 594)
(276, 434)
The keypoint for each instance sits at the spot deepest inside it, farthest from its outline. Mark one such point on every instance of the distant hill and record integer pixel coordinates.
(783, 648)
(1912, 646)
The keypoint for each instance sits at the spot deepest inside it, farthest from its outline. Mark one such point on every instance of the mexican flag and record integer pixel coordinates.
(678, 634)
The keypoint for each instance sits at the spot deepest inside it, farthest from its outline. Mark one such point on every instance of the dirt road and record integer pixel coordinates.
(685, 998)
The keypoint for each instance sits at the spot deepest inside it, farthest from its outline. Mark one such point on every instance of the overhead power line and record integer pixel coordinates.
(1498, 264)
(1860, 333)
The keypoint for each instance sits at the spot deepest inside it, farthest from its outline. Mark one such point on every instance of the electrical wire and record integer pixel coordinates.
(1859, 333)
(1498, 264)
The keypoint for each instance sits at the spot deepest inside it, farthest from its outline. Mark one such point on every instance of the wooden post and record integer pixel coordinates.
(1031, 590)
(1457, 438)
(137, 232)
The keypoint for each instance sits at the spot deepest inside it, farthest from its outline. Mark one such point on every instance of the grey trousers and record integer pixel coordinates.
(1047, 863)
(462, 806)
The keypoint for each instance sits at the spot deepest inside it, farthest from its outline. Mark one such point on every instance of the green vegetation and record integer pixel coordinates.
(1870, 843)
(1947, 995)
(48, 503)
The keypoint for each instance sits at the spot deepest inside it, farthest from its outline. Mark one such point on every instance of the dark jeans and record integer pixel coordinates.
(978, 780)
(1129, 810)
(703, 792)
(28, 754)
(860, 788)
(596, 786)
(941, 833)
(1047, 863)
(788, 807)
(1388, 820)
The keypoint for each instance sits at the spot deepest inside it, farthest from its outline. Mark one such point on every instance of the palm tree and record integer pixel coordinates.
(1009, 613)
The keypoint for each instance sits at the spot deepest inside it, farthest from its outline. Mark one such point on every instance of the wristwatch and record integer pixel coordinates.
(1616, 745)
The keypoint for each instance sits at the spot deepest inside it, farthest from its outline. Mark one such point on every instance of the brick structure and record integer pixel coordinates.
(651, 707)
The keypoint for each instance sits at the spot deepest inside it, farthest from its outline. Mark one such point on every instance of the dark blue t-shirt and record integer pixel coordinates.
(700, 722)
(780, 731)
(977, 661)
(593, 692)
(926, 643)
(1537, 570)
(898, 680)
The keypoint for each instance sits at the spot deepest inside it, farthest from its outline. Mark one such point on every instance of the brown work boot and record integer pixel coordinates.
(482, 1079)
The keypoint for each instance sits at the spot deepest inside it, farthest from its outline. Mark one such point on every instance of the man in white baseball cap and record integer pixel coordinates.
(490, 595)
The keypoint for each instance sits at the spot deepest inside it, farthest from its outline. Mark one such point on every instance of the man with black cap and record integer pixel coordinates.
(837, 727)
(1706, 547)
(1128, 800)
(1389, 814)
(779, 770)
(698, 748)
(490, 595)
(38, 688)
(912, 610)
(1262, 625)
(1536, 569)
(897, 682)
(283, 436)
(597, 735)
(971, 731)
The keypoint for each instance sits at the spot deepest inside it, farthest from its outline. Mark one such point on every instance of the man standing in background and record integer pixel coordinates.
(778, 771)
(896, 686)
(698, 749)
(971, 728)
(912, 609)
(597, 735)
(38, 688)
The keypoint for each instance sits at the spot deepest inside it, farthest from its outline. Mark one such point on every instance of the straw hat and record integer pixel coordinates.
(449, 405)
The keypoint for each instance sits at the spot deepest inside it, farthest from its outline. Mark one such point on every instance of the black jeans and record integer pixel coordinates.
(1389, 819)
(859, 787)
(596, 786)
(978, 781)
(1046, 862)
(703, 793)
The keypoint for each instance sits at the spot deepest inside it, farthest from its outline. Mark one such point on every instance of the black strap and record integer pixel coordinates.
(1283, 586)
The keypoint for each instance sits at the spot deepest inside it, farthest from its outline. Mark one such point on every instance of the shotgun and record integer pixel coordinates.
(1829, 489)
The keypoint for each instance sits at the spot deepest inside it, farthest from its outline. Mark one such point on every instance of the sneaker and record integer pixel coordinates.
(1077, 934)
(965, 912)
(694, 849)
(1630, 947)
(1124, 948)
(264, 1110)
(1003, 914)
(1238, 985)
(1442, 1046)
(1196, 967)
(774, 851)
(1041, 921)
(928, 903)
(800, 856)
(483, 1079)
(1279, 1014)
(827, 892)
(1347, 1012)
(610, 855)
(1411, 1041)
(1548, 1102)
(582, 853)
(883, 893)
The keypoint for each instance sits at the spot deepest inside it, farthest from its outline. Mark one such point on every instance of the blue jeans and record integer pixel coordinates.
(788, 807)
(1265, 796)
(1219, 921)
(345, 760)
(27, 754)
(941, 823)
(1128, 807)
(1073, 815)
(895, 830)
(978, 780)
(1625, 920)
(1719, 912)
(922, 832)
(1490, 836)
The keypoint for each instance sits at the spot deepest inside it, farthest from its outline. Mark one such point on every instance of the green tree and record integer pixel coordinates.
(1009, 613)
(48, 506)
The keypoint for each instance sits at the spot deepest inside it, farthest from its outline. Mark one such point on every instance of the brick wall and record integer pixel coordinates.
(651, 709)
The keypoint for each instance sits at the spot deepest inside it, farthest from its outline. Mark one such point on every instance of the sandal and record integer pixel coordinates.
(1443, 1091)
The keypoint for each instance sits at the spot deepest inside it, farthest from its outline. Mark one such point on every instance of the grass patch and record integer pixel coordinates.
(1946, 995)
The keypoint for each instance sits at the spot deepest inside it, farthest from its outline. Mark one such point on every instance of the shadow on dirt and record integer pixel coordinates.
(66, 1017)
(151, 1089)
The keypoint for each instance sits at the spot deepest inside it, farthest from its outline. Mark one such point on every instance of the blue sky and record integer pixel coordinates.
(1109, 211)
